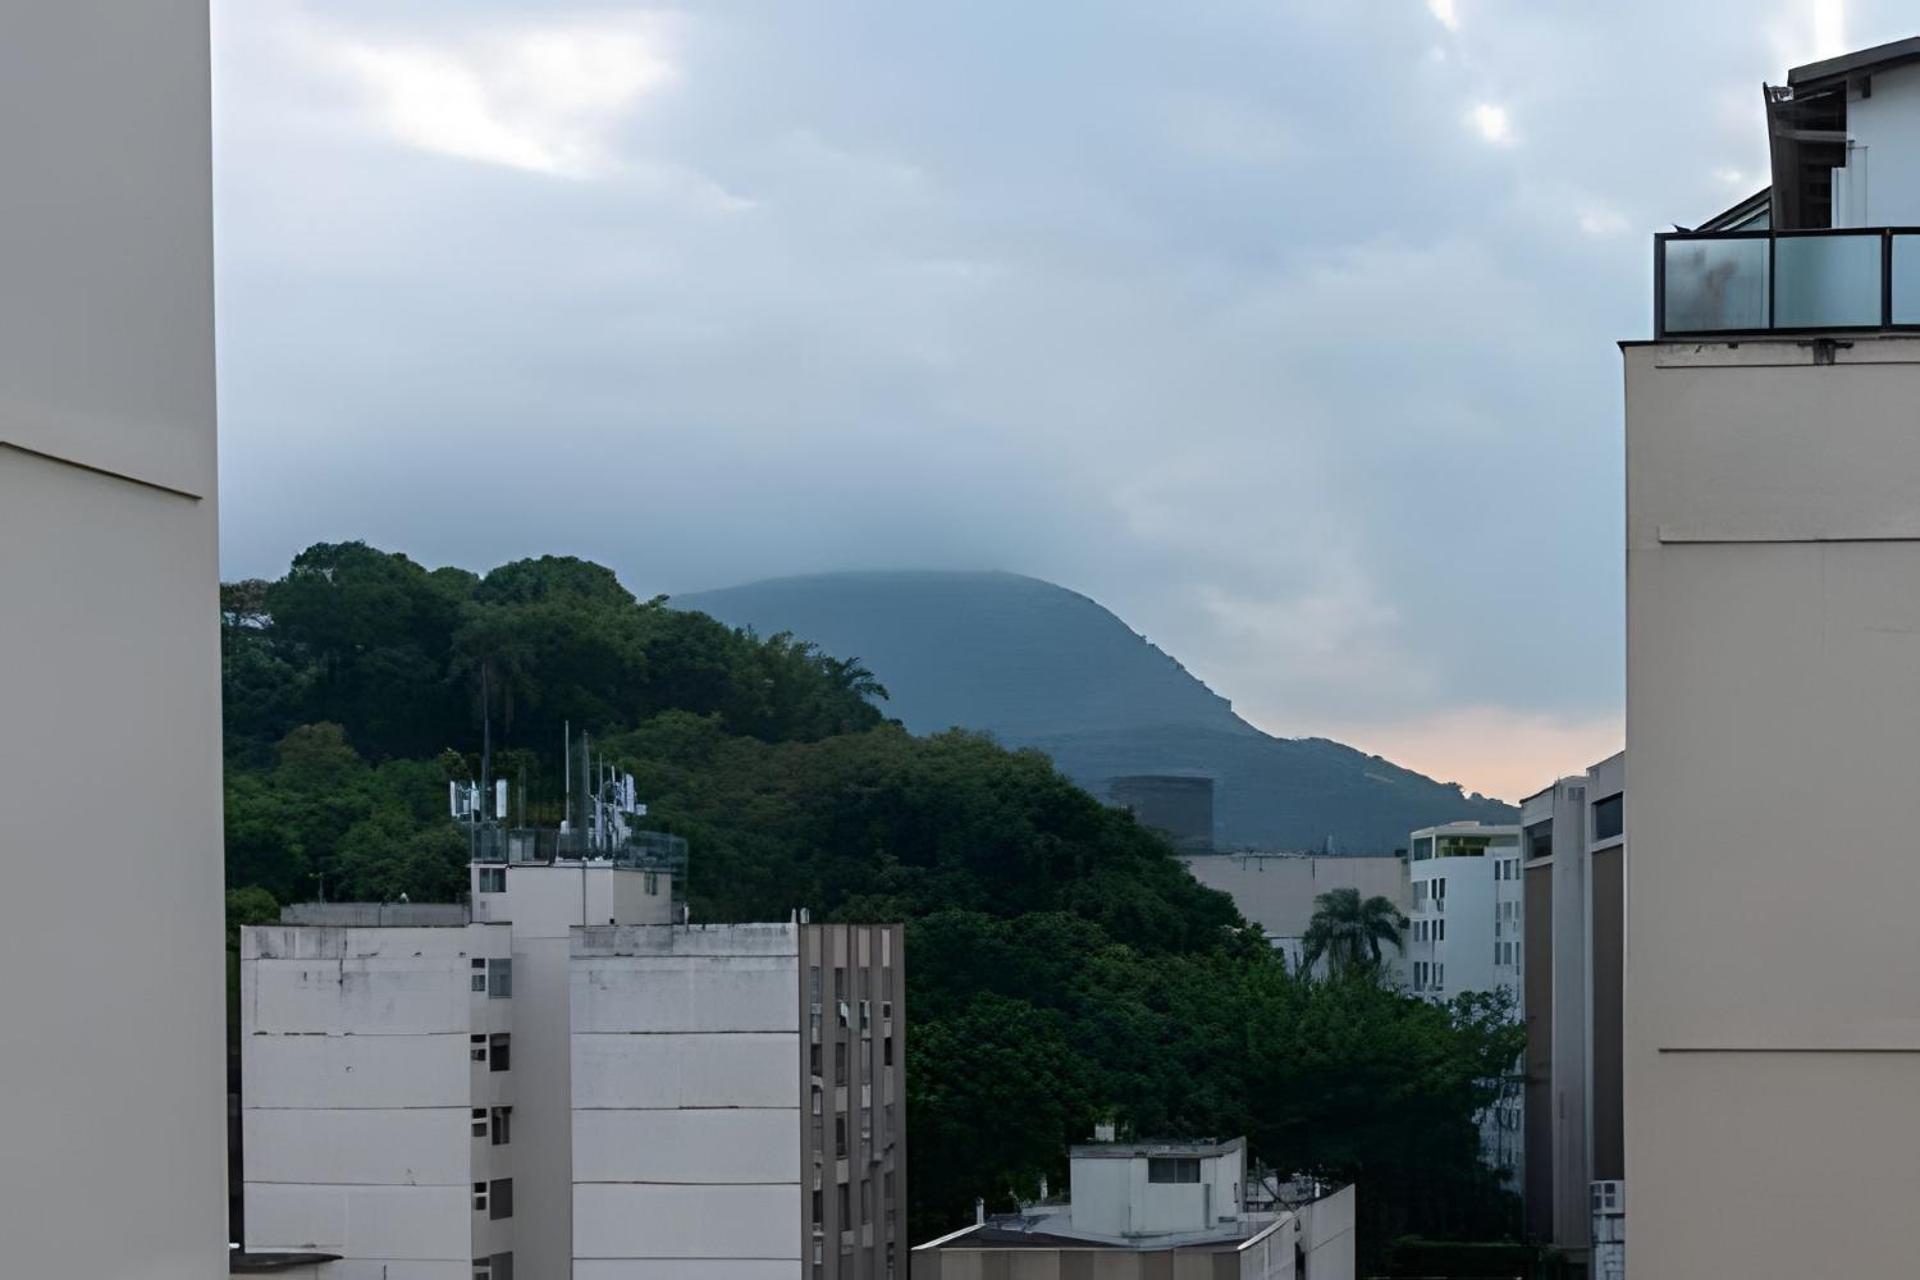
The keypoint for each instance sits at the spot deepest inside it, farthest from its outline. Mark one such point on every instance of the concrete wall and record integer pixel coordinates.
(1772, 1047)
(109, 652)
(1327, 1236)
(1276, 891)
(356, 1046)
(686, 1102)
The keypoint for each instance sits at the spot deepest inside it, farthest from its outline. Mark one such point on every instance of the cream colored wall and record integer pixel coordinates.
(109, 656)
(1773, 716)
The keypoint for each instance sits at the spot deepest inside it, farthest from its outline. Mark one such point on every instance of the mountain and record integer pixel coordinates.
(1037, 665)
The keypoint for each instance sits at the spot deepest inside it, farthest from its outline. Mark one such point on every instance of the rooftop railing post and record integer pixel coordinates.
(1886, 279)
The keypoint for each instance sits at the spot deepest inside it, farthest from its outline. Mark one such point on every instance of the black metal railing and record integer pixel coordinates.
(1753, 282)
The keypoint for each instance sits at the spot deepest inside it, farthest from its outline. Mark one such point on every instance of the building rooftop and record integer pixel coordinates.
(1051, 1230)
(1153, 1148)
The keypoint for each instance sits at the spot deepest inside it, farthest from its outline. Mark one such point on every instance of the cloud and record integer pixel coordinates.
(547, 97)
(1602, 222)
(1491, 122)
(1444, 13)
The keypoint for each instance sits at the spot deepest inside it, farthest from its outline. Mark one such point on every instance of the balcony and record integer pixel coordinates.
(1714, 283)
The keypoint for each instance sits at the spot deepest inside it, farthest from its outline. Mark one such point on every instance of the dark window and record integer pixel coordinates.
(500, 1192)
(1540, 839)
(818, 1207)
(813, 1061)
(499, 979)
(479, 1122)
(479, 1197)
(479, 1050)
(502, 1126)
(839, 1064)
(886, 1051)
(493, 879)
(1609, 817)
(840, 1134)
(846, 1207)
(502, 1266)
(500, 1058)
(866, 1201)
(1423, 848)
(1173, 1169)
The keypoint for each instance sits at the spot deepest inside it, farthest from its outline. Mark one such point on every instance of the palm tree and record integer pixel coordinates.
(1347, 932)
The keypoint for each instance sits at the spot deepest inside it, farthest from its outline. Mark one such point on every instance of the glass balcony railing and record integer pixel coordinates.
(1725, 282)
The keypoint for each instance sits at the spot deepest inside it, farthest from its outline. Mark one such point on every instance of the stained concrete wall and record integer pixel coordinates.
(356, 1046)
(686, 1102)
(109, 651)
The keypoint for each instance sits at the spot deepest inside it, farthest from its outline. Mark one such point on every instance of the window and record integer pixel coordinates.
(813, 984)
(479, 1122)
(1439, 976)
(653, 884)
(886, 1052)
(1440, 930)
(498, 1267)
(493, 879)
(502, 1124)
(1609, 817)
(1173, 1169)
(818, 1208)
(813, 1061)
(480, 975)
(1423, 848)
(500, 1192)
(839, 1065)
(499, 1057)
(846, 1207)
(479, 1197)
(840, 1135)
(866, 1200)
(478, 1046)
(886, 1011)
(1419, 975)
(499, 979)
(1539, 839)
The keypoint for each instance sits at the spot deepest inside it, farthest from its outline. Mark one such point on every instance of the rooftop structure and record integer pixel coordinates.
(1832, 245)
(1276, 891)
(1140, 1209)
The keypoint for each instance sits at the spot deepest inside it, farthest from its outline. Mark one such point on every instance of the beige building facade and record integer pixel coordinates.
(109, 647)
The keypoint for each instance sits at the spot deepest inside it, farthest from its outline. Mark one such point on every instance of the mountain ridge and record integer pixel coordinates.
(1040, 665)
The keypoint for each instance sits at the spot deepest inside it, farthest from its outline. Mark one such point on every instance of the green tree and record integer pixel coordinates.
(1348, 933)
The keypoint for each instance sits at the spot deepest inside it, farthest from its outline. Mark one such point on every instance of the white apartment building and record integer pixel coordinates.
(114, 1158)
(379, 1098)
(1772, 1040)
(1465, 924)
(1574, 845)
(1464, 934)
(1138, 1210)
(646, 1098)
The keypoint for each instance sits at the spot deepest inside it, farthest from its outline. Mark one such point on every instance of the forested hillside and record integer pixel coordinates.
(1062, 966)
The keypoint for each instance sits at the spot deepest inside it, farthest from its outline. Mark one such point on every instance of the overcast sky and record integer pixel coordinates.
(1285, 330)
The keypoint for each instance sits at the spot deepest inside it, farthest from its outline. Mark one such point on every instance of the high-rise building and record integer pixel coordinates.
(1573, 847)
(646, 1097)
(1772, 1042)
(114, 1156)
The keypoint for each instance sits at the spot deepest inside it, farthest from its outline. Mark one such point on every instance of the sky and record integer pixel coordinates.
(1284, 330)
